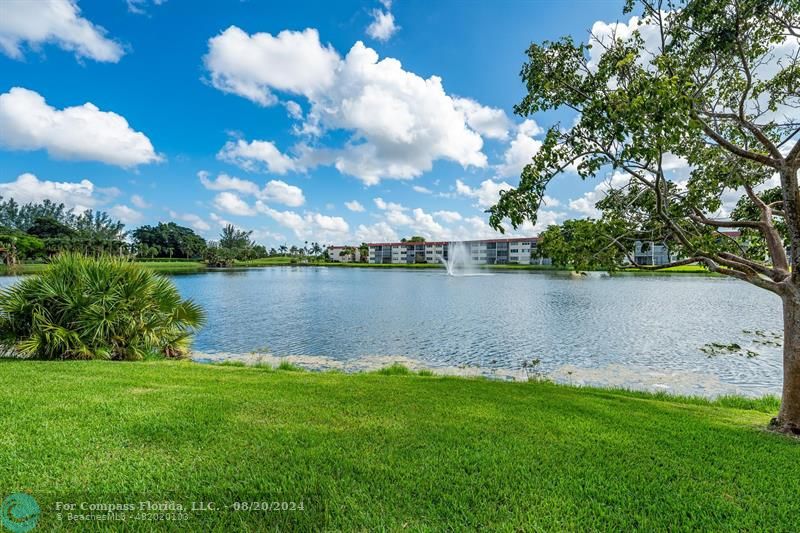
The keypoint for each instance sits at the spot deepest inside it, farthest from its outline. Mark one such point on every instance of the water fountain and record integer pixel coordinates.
(459, 261)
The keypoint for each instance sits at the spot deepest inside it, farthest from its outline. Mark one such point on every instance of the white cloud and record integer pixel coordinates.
(221, 222)
(139, 201)
(232, 204)
(383, 205)
(283, 193)
(421, 189)
(521, 150)
(194, 221)
(138, 6)
(53, 21)
(84, 132)
(354, 205)
(585, 205)
(274, 191)
(82, 195)
(294, 109)
(223, 182)
(382, 26)
(425, 224)
(253, 65)
(549, 201)
(257, 156)
(329, 223)
(126, 214)
(448, 216)
(308, 225)
(378, 232)
(486, 194)
(530, 128)
(399, 122)
(490, 122)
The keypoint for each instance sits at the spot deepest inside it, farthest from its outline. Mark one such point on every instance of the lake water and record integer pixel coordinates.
(633, 331)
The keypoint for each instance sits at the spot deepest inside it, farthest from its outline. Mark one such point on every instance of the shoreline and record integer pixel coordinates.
(669, 382)
(177, 267)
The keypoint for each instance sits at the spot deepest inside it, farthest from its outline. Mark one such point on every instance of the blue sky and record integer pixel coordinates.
(270, 116)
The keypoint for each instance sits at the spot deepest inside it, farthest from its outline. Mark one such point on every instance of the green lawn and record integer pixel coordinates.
(387, 452)
(160, 266)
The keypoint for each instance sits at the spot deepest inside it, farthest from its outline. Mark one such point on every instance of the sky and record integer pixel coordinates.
(338, 122)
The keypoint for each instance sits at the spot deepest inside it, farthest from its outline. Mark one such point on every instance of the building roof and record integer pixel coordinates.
(440, 243)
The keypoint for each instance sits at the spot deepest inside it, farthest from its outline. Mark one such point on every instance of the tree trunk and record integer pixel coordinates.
(788, 419)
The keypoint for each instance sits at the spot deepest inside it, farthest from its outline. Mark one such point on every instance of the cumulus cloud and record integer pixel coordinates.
(257, 156)
(399, 122)
(194, 221)
(253, 66)
(487, 194)
(274, 191)
(355, 206)
(309, 224)
(521, 149)
(84, 132)
(585, 204)
(383, 25)
(80, 195)
(282, 193)
(224, 182)
(125, 214)
(422, 190)
(231, 203)
(490, 122)
(139, 201)
(57, 22)
(449, 216)
(378, 232)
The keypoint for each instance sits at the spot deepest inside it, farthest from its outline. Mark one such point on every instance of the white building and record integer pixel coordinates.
(487, 252)
(340, 255)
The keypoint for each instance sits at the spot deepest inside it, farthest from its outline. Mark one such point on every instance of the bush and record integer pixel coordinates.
(96, 308)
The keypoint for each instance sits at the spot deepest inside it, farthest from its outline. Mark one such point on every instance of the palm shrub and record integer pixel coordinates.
(96, 308)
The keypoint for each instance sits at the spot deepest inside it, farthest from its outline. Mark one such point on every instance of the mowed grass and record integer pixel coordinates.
(386, 452)
(159, 266)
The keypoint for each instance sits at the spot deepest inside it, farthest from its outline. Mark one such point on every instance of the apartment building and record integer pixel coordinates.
(340, 254)
(487, 251)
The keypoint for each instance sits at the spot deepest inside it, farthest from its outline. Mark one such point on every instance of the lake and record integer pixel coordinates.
(646, 332)
(633, 331)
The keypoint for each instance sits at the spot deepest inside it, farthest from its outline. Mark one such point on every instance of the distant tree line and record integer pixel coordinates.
(38, 231)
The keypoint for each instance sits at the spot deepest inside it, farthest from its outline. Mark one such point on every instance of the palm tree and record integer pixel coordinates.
(96, 308)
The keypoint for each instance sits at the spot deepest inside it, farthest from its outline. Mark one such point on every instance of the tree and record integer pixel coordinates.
(21, 217)
(169, 240)
(575, 244)
(234, 239)
(413, 238)
(717, 91)
(16, 245)
(47, 227)
(363, 252)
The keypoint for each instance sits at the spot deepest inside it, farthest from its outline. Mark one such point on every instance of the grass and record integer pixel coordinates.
(388, 452)
(159, 266)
